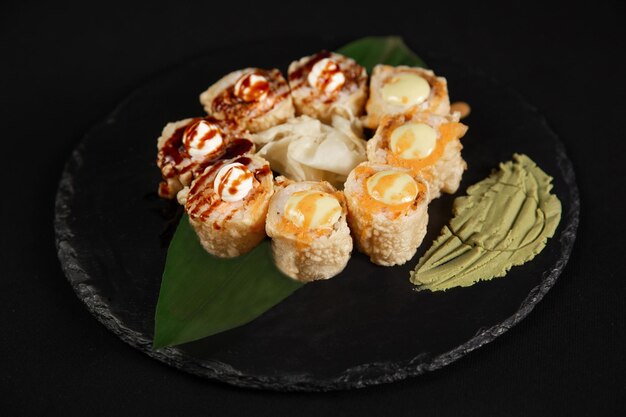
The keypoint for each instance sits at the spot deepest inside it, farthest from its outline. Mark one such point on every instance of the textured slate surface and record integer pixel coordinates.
(364, 327)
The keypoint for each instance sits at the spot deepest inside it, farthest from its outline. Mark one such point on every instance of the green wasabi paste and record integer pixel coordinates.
(505, 220)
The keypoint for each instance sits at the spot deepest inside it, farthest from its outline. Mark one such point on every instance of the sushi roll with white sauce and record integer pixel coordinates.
(327, 84)
(227, 205)
(251, 99)
(187, 147)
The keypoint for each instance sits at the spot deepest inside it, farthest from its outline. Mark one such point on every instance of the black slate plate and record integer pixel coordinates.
(366, 326)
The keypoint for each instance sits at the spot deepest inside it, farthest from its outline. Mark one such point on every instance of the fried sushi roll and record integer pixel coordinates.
(387, 211)
(395, 90)
(310, 236)
(328, 83)
(187, 147)
(426, 143)
(251, 99)
(227, 205)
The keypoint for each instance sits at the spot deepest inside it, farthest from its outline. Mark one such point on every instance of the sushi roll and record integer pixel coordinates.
(387, 211)
(327, 84)
(310, 236)
(395, 90)
(426, 143)
(251, 99)
(227, 205)
(187, 147)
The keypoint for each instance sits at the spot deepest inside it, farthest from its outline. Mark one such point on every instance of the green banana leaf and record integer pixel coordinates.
(202, 295)
(373, 50)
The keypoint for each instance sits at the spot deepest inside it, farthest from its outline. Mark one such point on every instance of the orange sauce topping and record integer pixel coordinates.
(392, 187)
(310, 209)
(405, 142)
(372, 206)
(462, 107)
(306, 220)
(447, 133)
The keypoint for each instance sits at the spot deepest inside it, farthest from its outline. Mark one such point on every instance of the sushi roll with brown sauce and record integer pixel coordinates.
(426, 143)
(187, 147)
(387, 211)
(328, 83)
(396, 90)
(227, 205)
(251, 99)
(307, 223)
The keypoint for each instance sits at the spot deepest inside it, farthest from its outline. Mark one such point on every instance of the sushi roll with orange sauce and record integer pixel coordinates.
(387, 211)
(307, 223)
(426, 143)
(402, 89)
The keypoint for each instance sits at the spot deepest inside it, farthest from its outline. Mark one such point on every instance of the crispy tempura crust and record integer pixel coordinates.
(438, 102)
(443, 169)
(226, 229)
(254, 117)
(312, 256)
(387, 237)
(347, 103)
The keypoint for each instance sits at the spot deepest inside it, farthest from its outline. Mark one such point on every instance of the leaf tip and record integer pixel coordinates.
(159, 342)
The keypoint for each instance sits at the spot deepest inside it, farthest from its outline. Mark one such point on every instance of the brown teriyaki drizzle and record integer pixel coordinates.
(250, 92)
(191, 131)
(203, 199)
(234, 108)
(352, 71)
(298, 76)
(174, 159)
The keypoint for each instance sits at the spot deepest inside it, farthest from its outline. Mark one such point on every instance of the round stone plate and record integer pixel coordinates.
(367, 325)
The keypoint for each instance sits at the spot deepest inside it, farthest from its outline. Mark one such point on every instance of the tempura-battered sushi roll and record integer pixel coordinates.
(250, 99)
(328, 83)
(187, 147)
(227, 205)
(426, 143)
(310, 236)
(387, 211)
(395, 90)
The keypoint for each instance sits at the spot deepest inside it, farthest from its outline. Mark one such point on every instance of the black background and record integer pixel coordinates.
(65, 66)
